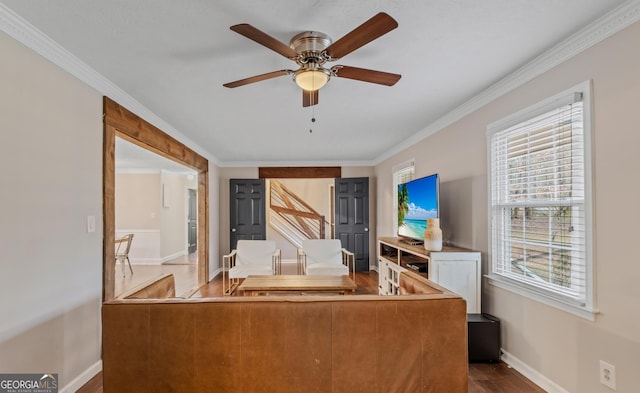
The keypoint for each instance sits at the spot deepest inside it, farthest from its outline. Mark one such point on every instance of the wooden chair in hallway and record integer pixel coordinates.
(123, 245)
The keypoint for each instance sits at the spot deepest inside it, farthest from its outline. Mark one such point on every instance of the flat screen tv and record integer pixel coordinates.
(417, 202)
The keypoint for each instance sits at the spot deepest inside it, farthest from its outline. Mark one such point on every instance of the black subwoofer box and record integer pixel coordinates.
(483, 338)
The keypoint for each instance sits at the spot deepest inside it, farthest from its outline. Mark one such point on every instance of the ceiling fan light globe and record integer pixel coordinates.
(311, 80)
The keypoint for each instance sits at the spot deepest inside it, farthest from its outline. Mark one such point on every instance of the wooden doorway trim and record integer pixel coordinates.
(120, 122)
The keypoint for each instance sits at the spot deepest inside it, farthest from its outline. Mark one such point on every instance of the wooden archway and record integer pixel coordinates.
(120, 122)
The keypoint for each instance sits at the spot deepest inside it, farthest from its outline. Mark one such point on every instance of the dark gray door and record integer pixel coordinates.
(192, 221)
(247, 210)
(352, 218)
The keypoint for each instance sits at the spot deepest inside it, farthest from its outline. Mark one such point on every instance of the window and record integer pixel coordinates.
(402, 173)
(540, 202)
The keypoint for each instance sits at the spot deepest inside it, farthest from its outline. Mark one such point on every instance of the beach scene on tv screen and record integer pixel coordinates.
(417, 201)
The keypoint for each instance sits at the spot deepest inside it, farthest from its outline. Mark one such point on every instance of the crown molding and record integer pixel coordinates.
(27, 34)
(249, 164)
(607, 25)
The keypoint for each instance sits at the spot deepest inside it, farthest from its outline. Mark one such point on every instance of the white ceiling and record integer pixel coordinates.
(173, 56)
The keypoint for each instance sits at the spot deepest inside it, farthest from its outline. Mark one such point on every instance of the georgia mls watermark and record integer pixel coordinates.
(28, 383)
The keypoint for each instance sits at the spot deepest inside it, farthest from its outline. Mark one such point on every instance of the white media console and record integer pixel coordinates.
(457, 269)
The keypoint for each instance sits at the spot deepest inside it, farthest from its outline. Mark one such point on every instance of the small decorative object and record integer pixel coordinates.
(433, 235)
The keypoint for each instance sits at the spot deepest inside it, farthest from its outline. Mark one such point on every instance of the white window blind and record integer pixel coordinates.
(401, 174)
(539, 223)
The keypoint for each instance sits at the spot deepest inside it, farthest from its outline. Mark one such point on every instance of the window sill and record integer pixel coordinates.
(541, 296)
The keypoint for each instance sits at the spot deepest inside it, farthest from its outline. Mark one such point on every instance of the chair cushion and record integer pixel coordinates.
(325, 251)
(255, 252)
(327, 269)
(242, 271)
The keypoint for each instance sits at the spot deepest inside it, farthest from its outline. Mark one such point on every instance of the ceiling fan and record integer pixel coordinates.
(312, 49)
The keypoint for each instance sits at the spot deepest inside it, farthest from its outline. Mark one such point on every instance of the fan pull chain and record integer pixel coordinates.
(313, 111)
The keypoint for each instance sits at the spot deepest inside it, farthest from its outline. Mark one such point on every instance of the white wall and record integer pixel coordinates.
(214, 220)
(138, 201)
(138, 212)
(173, 218)
(561, 350)
(51, 175)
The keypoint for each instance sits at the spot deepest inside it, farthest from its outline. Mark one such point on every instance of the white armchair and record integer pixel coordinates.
(325, 257)
(251, 257)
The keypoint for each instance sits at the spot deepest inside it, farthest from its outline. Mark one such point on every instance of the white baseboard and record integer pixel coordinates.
(145, 261)
(532, 374)
(173, 256)
(83, 378)
(156, 260)
(214, 273)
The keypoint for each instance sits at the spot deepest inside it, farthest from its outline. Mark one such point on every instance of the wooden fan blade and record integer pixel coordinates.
(309, 97)
(257, 78)
(375, 27)
(364, 75)
(264, 39)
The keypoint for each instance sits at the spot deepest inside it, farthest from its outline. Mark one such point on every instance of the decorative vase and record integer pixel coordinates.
(433, 235)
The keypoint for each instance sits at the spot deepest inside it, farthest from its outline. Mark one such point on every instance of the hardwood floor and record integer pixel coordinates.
(498, 378)
(93, 386)
(483, 377)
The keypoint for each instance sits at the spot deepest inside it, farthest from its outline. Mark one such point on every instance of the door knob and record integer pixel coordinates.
(233, 230)
(366, 229)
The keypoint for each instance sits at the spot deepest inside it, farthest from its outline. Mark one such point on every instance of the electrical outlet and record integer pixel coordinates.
(608, 375)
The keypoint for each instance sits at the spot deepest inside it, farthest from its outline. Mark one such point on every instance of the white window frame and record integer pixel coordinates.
(401, 173)
(585, 308)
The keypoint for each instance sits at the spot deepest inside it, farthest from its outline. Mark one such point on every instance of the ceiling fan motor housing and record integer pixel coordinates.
(310, 45)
